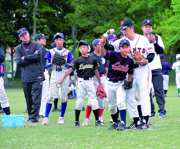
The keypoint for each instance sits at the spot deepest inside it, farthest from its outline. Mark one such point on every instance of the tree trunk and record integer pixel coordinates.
(34, 17)
(74, 35)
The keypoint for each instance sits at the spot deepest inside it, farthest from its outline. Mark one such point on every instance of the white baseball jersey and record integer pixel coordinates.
(176, 67)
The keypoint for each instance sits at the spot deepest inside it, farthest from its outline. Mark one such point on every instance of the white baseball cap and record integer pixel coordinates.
(177, 56)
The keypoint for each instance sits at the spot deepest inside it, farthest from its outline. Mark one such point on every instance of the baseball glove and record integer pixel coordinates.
(58, 59)
(128, 84)
(100, 92)
(137, 56)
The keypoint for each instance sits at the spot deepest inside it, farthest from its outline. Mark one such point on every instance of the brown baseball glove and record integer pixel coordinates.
(137, 56)
(100, 92)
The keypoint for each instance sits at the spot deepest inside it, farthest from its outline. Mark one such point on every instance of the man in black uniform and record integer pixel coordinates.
(86, 67)
(28, 55)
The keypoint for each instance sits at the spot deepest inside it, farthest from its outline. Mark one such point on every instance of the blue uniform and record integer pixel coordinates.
(165, 67)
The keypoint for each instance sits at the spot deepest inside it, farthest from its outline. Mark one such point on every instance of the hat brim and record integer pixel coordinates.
(147, 24)
(44, 37)
(123, 27)
(112, 39)
(22, 33)
(58, 36)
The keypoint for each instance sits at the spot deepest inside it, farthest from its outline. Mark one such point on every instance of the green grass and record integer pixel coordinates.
(164, 133)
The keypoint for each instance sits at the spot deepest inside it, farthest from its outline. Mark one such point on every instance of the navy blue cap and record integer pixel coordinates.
(123, 41)
(82, 42)
(147, 21)
(112, 37)
(121, 33)
(125, 23)
(59, 35)
(162, 56)
(40, 36)
(22, 31)
(95, 42)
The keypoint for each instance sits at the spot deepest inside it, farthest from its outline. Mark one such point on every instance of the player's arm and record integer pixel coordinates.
(65, 75)
(2, 56)
(69, 60)
(158, 45)
(97, 76)
(130, 77)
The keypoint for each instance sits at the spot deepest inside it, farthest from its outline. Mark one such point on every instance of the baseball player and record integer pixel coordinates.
(165, 68)
(86, 67)
(45, 84)
(28, 56)
(3, 97)
(120, 65)
(155, 65)
(176, 67)
(56, 75)
(141, 75)
(102, 69)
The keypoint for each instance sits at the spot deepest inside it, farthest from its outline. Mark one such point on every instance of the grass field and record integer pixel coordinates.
(164, 133)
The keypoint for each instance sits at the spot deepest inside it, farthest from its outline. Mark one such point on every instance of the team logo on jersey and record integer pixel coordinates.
(81, 66)
(103, 60)
(117, 66)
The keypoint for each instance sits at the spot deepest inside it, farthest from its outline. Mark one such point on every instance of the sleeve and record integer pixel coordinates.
(116, 44)
(150, 57)
(2, 56)
(131, 67)
(48, 59)
(37, 56)
(110, 55)
(149, 46)
(96, 64)
(18, 58)
(109, 46)
(70, 57)
(74, 64)
(169, 67)
(173, 66)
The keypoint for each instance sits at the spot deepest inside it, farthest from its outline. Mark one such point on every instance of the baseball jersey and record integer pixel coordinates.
(101, 61)
(65, 52)
(156, 62)
(165, 67)
(176, 66)
(85, 66)
(118, 66)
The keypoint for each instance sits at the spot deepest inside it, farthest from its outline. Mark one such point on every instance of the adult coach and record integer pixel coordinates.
(141, 75)
(3, 97)
(155, 65)
(28, 56)
(45, 84)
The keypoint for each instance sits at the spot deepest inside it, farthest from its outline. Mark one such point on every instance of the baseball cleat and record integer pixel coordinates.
(45, 121)
(113, 126)
(101, 119)
(85, 123)
(98, 123)
(121, 126)
(111, 121)
(61, 120)
(162, 114)
(143, 126)
(132, 126)
(152, 115)
(76, 124)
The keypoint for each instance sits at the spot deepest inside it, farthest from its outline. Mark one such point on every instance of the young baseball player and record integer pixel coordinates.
(45, 84)
(28, 56)
(56, 75)
(3, 97)
(141, 75)
(86, 67)
(176, 67)
(102, 69)
(155, 66)
(165, 68)
(120, 64)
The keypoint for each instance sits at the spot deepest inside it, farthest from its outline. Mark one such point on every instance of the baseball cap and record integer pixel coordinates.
(147, 21)
(59, 34)
(125, 23)
(121, 33)
(22, 31)
(112, 37)
(95, 42)
(162, 56)
(124, 41)
(178, 56)
(40, 36)
(82, 42)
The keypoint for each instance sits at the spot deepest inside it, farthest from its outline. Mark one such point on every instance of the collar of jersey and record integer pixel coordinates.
(58, 48)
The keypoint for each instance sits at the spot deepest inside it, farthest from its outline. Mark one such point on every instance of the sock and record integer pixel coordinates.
(178, 91)
(117, 113)
(140, 112)
(136, 119)
(96, 114)
(48, 109)
(88, 111)
(165, 91)
(7, 110)
(55, 103)
(63, 109)
(146, 118)
(100, 112)
(77, 114)
(114, 117)
(123, 115)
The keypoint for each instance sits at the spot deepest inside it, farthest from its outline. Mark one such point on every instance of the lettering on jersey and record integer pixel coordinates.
(103, 60)
(119, 67)
(140, 50)
(81, 66)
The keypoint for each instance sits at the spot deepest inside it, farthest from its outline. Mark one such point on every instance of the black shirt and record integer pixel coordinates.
(85, 66)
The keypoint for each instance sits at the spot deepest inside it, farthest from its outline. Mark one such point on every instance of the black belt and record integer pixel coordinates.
(86, 78)
(114, 81)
